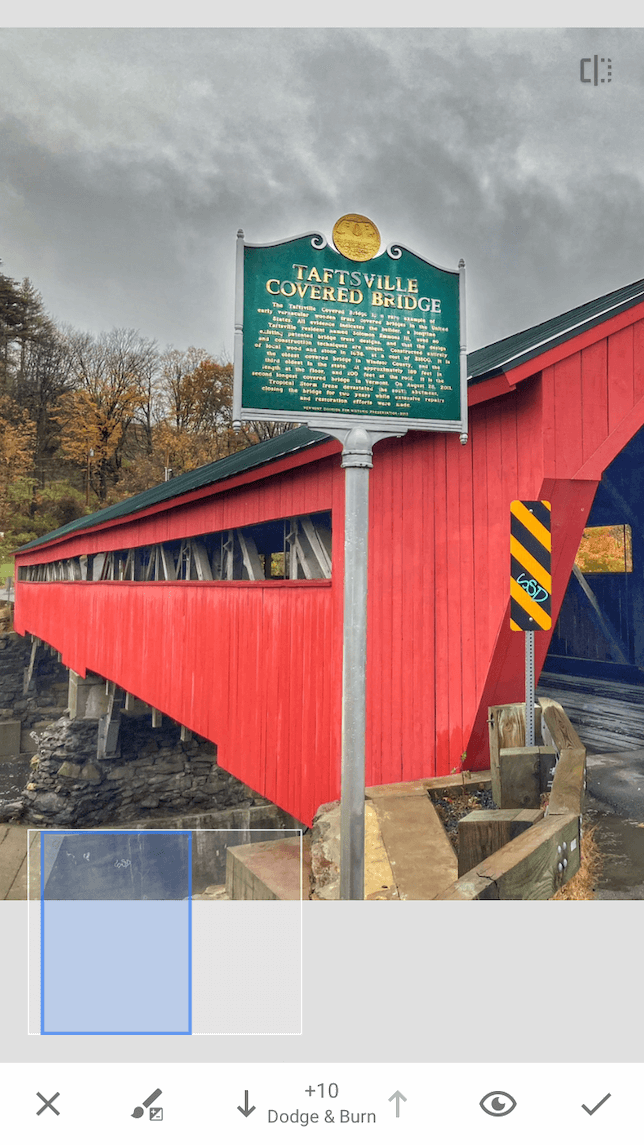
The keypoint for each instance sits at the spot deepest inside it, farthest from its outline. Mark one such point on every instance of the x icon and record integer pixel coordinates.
(48, 1104)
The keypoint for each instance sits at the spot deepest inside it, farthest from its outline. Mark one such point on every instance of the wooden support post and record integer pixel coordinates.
(167, 563)
(506, 724)
(201, 561)
(481, 833)
(109, 727)
(517, 783)
(250, 556)
(186, 734)
(29, 671)
(156, 718)
(129, 703)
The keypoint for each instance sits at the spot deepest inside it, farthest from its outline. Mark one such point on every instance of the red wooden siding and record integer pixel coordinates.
(257, 668)
(249, 667)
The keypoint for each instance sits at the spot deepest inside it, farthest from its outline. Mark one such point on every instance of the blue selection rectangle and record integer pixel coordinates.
(115, 954)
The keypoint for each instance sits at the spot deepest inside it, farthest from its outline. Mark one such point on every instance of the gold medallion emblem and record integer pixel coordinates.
(356, 237)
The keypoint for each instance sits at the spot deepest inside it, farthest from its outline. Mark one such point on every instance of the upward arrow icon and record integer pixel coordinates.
(245, 1110)
(398, 1096)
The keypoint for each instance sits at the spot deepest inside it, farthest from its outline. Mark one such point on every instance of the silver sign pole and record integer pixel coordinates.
(357, 460)
(529, 689)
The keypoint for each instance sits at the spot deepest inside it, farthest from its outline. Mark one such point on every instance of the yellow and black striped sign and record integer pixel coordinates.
(530, 580)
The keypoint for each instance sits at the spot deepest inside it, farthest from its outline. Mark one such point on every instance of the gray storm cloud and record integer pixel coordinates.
(129, 158)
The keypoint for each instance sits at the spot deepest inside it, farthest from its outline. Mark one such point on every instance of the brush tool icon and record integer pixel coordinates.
(140, 1110)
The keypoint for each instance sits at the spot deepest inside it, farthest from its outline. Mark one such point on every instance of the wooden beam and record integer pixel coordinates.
(627, 511)
(250, 556)
(556, 728)
(157, 718)
(481, 833)
(109, 725)
(439, 784)
(167, 563)
(569, 784)
(603, 623)
(201, 561)
(517, 781)
(506, 724)
(420, 854)
(29, 670)
(310, 536)
(530, 867)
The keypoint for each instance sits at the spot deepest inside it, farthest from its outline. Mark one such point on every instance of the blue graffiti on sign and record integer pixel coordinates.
(532, 588)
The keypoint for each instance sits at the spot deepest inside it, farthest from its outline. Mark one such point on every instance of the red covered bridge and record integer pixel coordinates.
(217, 597)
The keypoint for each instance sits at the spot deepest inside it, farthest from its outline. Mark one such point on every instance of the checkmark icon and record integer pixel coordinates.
(596, 1107)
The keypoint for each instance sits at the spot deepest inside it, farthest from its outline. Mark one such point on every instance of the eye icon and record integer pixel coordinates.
(497, 1103)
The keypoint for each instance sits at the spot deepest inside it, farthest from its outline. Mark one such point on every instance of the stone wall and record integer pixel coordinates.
(46, 698)
(156, 774)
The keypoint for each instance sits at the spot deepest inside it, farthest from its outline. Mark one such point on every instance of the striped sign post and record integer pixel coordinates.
(530, 586)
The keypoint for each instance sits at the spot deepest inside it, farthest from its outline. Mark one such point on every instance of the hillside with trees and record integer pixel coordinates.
(88, 420)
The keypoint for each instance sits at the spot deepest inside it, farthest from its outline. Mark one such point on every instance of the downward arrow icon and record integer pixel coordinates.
(245, 1110)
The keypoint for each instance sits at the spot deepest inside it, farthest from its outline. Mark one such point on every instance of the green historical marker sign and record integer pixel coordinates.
(328, 339)
(363, 346)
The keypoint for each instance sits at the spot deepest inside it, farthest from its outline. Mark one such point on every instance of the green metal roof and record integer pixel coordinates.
(511, 352)
(294, 441)
(481, 364)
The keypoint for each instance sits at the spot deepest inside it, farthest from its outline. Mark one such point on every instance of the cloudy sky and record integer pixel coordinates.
(130, 157)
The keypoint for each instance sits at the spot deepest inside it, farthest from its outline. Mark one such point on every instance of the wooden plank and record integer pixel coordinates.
(317, 547)
(556, 728)
(638, 360)
(481, 833)
(201, 561)
(602, 621)
(421, 856)
(569, 783)
(519, 778)
(526, 868)
(463, 781)
(250, 556)
(167, 563)
(98, 565)
(29, 670)
(506, 728)
(567, 416)
(278, 870)
(620, 375)
(594, 397)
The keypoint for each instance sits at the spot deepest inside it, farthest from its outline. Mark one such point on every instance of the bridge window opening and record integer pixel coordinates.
(295, 548)
(606, 549)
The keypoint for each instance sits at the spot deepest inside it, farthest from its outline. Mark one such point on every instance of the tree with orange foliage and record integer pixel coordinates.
(195, 392)
(109, 376)
(605, 548)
